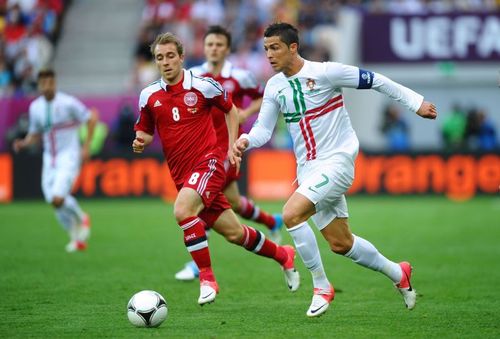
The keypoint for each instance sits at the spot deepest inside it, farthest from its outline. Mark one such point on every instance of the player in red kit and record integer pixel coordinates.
(241, 84)
(179, 107)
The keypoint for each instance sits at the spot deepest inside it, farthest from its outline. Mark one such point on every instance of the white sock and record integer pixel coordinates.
(306, 245)
(67, 221)
(365, 254)
(72, 205)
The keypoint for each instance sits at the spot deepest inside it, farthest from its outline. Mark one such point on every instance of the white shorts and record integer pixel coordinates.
(58, 181)
(324, 183)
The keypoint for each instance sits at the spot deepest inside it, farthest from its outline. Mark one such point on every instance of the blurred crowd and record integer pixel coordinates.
(462, 130)
(28, 32)
(468, 129)
(246, 20)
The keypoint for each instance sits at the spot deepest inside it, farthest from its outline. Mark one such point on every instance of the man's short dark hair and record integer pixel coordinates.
(286, 32)
(216, 29)
(46, 73)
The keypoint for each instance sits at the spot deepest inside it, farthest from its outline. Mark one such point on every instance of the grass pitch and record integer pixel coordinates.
(136, 245)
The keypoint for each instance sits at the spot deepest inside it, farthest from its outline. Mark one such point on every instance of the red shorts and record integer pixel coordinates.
(210, 214)
(208, 179)
(231, 174)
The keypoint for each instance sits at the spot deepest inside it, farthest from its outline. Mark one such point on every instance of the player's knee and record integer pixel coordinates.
(57, 202)
(234, 238)
(182, 212)
(292, 218)
(235, 205)
(234, 234)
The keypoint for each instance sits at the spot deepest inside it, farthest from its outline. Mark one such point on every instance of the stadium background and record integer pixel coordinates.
(449, 51)
(441, 190)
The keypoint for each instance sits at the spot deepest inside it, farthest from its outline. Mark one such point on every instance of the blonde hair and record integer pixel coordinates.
(167, 38)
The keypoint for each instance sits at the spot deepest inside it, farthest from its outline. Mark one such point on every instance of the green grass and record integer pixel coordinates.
(136, 244)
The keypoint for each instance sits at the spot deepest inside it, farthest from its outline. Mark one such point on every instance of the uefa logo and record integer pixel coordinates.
(190, 99)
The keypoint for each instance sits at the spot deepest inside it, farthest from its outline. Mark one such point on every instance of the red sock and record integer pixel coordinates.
(250, 211)
(196, 243)
(256, 242)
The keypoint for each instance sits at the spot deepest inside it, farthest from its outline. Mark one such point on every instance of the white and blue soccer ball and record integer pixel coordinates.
(147, 309)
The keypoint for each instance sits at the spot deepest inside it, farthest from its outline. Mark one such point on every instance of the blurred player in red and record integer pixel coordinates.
(179, 107)
(241, 84)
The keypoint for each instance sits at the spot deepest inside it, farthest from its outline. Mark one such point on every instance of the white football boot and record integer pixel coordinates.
(275, 233)
(188, 273)
(208, 292)
(321, 301)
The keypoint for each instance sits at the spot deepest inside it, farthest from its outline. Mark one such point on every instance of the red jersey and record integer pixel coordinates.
(239, 83)
(182, 117)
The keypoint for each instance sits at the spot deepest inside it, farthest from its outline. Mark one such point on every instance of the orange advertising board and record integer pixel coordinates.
(6, 180)
(271, 174)
(119, 177)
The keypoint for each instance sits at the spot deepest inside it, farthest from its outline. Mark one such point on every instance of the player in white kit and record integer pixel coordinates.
(309, 95)
(56, 117)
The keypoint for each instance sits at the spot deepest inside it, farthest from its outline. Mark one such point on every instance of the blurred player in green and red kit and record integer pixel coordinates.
(179, 107)
(241, 84)
(55, 118)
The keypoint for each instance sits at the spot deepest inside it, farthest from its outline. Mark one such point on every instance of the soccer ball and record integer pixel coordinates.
(147, 309)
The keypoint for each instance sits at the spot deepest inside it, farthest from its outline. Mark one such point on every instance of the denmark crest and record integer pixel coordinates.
(228, 85)
(190, 99)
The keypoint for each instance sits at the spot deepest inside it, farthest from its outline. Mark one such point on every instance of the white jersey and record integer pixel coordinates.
(58, 121)
(312, 105)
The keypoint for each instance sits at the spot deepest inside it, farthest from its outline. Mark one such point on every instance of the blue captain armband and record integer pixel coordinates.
(365, 79)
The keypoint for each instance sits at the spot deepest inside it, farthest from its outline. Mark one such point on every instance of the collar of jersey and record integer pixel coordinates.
(224, 73)
(299, 73)
(186, 82)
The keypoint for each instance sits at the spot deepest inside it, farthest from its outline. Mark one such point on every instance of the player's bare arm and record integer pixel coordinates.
(30, 139)
(232, 127)
(91, 123)
(141, 141)
(427, 110)
(253, 108)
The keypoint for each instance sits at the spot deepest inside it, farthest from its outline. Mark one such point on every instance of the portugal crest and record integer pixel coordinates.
(310, 83)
